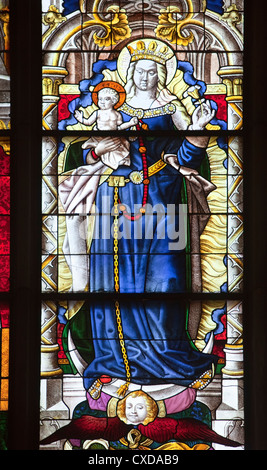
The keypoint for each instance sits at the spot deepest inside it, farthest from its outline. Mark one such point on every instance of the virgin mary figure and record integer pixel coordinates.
(138, 341)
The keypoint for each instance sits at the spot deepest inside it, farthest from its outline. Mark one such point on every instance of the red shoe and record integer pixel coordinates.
(105, 379)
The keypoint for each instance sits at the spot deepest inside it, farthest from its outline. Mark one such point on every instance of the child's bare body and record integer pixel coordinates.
(107, 118)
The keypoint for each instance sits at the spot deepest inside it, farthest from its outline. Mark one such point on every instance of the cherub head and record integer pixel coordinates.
(136, 408)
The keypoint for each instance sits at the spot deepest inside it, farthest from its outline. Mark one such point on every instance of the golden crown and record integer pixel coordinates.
(151, 51)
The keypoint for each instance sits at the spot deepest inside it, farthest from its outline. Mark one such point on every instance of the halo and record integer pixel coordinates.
(125, 58)
(109, 84)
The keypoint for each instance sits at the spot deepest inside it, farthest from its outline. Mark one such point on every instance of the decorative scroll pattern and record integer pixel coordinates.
(115, 25)
(172, 23)
(52, 19)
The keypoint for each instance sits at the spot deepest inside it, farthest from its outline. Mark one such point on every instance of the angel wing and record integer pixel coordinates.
(160, 430)
(183, 430)
(90, 427)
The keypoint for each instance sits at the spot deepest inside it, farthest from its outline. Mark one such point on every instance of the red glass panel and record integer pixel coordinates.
(4, 195)
(4, 235)
(63, 111)
(4, 315)
(4, 273)
(4, 162)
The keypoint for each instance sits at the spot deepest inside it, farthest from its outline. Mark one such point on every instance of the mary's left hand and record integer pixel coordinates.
(201, 116)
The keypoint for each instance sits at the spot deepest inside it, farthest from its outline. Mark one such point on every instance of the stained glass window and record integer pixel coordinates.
(138, 266)
(142, 225)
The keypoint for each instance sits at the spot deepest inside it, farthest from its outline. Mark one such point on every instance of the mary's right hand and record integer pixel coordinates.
(107, 144)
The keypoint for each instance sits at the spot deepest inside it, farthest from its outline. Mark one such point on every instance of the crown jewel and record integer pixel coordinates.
(151, 51)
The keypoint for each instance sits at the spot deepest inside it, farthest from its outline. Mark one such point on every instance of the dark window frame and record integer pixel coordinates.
(25, 292)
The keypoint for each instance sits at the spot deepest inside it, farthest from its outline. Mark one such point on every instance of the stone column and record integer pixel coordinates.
(229, 416)
(232, 77)
(53, 411)
(52, 78)
(235, 224)
(49, 346)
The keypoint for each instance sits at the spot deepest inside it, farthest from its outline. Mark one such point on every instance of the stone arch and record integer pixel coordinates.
(222, 40)
(219, 36)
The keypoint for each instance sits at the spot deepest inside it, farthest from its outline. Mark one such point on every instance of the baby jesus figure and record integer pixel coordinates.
(108, 96)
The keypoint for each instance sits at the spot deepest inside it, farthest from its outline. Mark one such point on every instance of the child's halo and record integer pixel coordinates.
(110, 84)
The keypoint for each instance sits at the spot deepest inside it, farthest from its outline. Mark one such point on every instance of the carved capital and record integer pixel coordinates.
(52, 79)
(232, 77)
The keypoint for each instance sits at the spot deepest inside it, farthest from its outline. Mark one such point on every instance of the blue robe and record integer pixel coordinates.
(154, 331)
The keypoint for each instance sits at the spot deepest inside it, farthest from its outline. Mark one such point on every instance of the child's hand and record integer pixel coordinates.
(133, 121)
(78, 115)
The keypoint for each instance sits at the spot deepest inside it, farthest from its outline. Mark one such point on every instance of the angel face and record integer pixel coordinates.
(135, 409)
